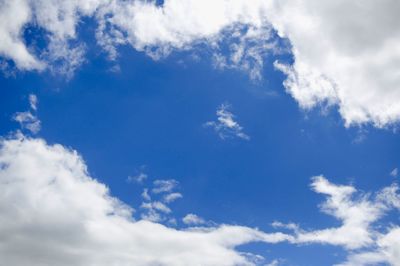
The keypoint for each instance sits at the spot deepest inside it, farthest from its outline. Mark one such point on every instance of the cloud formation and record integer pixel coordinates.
(53, 213)
(351, 63)
(361, 231)
(192, 219)
(226, 127)
(28, 120)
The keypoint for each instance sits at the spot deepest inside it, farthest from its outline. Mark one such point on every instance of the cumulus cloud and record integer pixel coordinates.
(13, 17)
(226, 126)
(359, 215)
(356, 215)
(358, 71)
(350, 62)
(387, 251)
(192, 219)
(54, 213)
(58, 19)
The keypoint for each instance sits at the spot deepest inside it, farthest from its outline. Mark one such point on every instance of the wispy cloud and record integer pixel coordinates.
(172, 197)
(139, 178)
(166, 185)
(394, 172)
(226, 126)
(28, 120)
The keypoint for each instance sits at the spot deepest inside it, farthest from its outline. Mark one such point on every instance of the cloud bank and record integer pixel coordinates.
(53, 213)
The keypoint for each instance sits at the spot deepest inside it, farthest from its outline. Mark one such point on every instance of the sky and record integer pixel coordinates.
(187, 132)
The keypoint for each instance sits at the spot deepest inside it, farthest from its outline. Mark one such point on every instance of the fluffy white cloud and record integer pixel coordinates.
(58, 19)
(387, 251)
(226, 126)
(356, 215)
(359, 215)
(13, 17)
(192, 219)
(346, 53)
(351, 62)
(53, 213)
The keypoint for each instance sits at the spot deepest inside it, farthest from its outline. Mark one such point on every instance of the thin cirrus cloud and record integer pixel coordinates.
(48, 197)
(351, 62)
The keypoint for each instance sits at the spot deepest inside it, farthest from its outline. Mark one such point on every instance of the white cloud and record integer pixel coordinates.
(59, 19)
(368, 242)
(226, 126)
(288, 226)
(146, 195)
(33, 101)
(53, 213)
(155, 201)
(387, 251)
(273, 263)
(178, 24)
(394, 172)
(156, 205)
(356, 215)
(29, 120)
(48, 197)
(192, 219)
(358, 71)
(162, 186)
(390, 196)
(352, 62)
(154, 211)
(13, 17)
(171, 197)
(139, 178)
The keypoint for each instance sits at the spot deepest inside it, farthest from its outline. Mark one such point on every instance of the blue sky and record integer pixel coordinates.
(136, 115)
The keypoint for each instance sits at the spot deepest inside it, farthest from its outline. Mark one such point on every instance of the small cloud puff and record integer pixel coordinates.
(192, 219)
(28, 120)
(226, 126)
